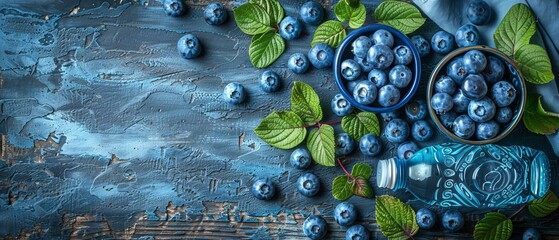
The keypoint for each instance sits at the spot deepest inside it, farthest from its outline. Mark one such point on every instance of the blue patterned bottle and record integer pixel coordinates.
(454, 174)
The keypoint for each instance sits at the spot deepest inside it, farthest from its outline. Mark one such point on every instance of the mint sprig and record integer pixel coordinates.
(282, 130)
(395, 218)
(354, 15)
(538, 120)
(544, 206)
(345, 186)
(357, 125)
(493, 226)
(265, 49)
(321, 145)
(400, 15)
(273, 8)
(252, 19)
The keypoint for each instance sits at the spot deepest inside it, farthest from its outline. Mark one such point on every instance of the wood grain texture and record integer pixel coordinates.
(106, 132)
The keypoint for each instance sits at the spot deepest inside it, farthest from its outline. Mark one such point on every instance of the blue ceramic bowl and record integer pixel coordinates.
(512, 74)
(344, 52)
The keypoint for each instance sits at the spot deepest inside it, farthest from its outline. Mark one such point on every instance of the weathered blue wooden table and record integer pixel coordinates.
(106, 132)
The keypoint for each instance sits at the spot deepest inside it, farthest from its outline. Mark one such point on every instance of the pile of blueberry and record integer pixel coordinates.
(473, 99)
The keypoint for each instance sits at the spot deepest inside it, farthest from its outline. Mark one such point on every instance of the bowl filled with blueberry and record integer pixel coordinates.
(377, 68)
(476, 95)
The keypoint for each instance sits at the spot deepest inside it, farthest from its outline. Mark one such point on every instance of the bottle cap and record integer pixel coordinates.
(386, 173)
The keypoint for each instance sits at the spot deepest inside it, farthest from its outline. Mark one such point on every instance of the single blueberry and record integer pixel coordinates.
(467, 35)
(269, 81)
(345, 213)
(298, 63)
(503, 93)
(421, 44)
(344, 144)
(463, 127)
(350, 69)
(402, 55)
(308, 184)
(416, 109)
(380, 56)
(340, 106)
(360, 46)
(290, 28)
(455, 70)
(474, 61)
(263, 189)
(474, 87)
(425, 218)
(421, 130)
(378, 77)
(531, 234)
(388, 95)
(442, 42)
(482, 110)
(400, 76)
(315, 227)
(460, 102)
(365, 92)
(174, 8)
(234, 93)
(389, 116)
(215, 14)
(382, 37)
(189, 46)
(370, 145)
(321, 55)
(441, 103)
(494, 70)
(478, 12)
(397, 130)
(357, 232)
(311, 12)
(366, 66)
(406, 150)
(447, 119)
(452, 220)
(352, 84)
(300, 158)
(445, 84)
(503, 115)
(487, 130)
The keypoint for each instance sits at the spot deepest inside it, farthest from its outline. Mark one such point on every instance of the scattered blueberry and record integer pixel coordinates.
(234, 93)
(474, 87)
(340, 106)
(345, 213)
(406, 150)
(378, 77)
(321, 55)
(308, 184)
(402, 55)
(531, 234)
(370, 145)
(442, 42)
(452, 220)
(425, 218)
(441, 103)
(174, 8)
(366, 66)
(290, 28)
(360, 46)
(487, 130)
(478, 12)
(455, 70)
(300, 158)
(357, 232)
(215, 14)
(503, 93)
(503, 115)
(416, 109)
(460, 102)
(467, 35)
(312, 13)
(421, 44)
(421, 130)
(474, 61)
(315, 227)
(464, 127)
(400, 76)
(298, 63)
(365, 92)
(344, 144)
(447, 119)
(445, 84)
(269, 81)
(189, 46)
(389, 116)
(380, 56)
(263, 189)
(494, 70)
(382, 37)
(388, 95)
(397, 130)
(482, 110)
(350, 69)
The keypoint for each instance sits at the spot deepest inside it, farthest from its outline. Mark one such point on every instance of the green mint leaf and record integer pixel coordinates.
(305, 103)
(352, 3)
(536, 119)
(400, 15)
(343, 10)
(342, 188)
(357, 125)
(494, 226)
(265, 48)
(252, 19)
(362, 188)
(361, 170)
(515, 30)
(330, 32)
(533, 62)
(321, 145)
(544, 206)
(354, 15)
(395, 218)
(273, 8)
(282, 130)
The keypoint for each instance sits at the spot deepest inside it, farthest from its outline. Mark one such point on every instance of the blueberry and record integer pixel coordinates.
(397, 130)
(366, 66)
(442, 42)
(421, 130)
(290, 28)
(215, 14)
(531, 234)
(447, 119)
(478, 12)
(494, 70)
(455, 70)
(463, 127)
(474, 61)
(340, 106)
(298, 63)
(350, 69)
(189, 46)
(400, 76)
(344, 144)
(380, 56)
(402, 55)
(174, 7)
(263, 189)
(460, 102)
(474, 87)
(321, 55)
(378, 77)
(487, 130)
(406, 150)
(360, 46)
(467, 35)
(503, 93)
(452, 220)
(425, 218)
(445, 84)
(234, 93)
(312, 13)
(308, 184)
(300, 158)
(357, 232)
(345, 213)
(482, 110)
(421, 44)
(389, 116)
(269, 81)
(388, 95)
(315, 227)
(416, 109)
(441, 103)
(365, 92)
(370, 145)
(503, 115)
(351, 84)
(383, 37)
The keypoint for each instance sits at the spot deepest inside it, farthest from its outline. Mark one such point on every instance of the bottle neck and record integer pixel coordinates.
(391, 173)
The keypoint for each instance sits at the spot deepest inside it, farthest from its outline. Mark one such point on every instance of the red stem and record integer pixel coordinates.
(346, 172)
(318, 124)
(518, 211)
